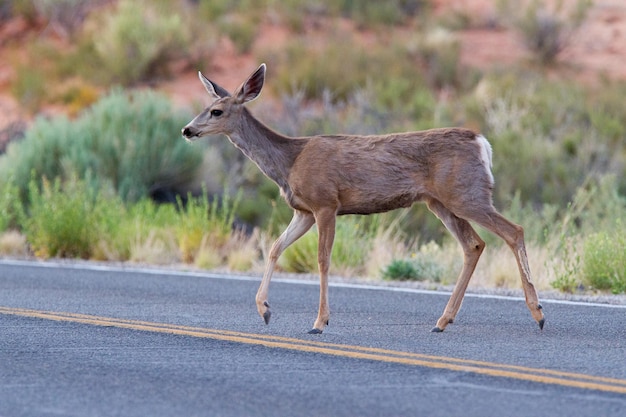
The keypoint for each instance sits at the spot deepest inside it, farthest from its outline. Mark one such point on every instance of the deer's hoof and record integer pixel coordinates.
(315, 331)
(436, 330)
(537, 314)
(267, 314)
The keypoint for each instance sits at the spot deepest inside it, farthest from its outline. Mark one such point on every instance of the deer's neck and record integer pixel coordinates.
(272, 152)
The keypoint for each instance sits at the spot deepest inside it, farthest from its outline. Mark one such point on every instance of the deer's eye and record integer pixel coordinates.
(216, 112)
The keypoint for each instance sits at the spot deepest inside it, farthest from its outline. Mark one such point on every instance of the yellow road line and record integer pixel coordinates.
(545, 376)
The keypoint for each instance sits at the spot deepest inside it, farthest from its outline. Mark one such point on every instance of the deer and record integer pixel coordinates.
(325, 176)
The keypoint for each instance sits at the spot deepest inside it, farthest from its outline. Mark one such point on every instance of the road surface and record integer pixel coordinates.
(91, 340)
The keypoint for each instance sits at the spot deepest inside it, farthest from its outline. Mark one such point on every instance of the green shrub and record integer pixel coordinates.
(262, 206)
(354, 237)
(537, 221)
(604, 260)
(296, 69)
(138, 39)
(11, 210)
(419, 268)
(64, 16)
(76, 220)
(438, 52)
(531, 122)
(368, 13)
(545, 32)
(212, 10)
(39, 154)
(353, 242)
(145, 234)
(566, 264)
(347, 67)
(360, 114)
(158, 233)
(62, 221)
(201, 220)
(29, 88)
(46, 74)
(302, 255)
(131, 141)
(78, 96)
(607, 113)
(582, 227)
(241, 31)
(402, 270)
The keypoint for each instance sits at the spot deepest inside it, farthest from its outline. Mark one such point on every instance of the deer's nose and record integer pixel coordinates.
(187, 132)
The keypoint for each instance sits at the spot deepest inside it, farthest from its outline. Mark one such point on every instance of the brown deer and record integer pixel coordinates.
(322, 177)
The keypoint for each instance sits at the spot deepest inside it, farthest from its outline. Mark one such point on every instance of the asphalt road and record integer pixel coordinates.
(96, 341)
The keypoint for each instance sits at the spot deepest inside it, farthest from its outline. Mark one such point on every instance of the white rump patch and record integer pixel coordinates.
(486, 155)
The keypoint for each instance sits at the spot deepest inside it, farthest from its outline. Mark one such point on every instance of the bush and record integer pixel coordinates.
(138, 39)
(418, 268)
(604, 260)
(545, 32)
(64, 16)
(241, 31)
(347, 67)
(131, 141)
(63, 221)
(438, 52)
(542, 129)
(78, 96)
(374, 13)
(146, 233)
(29, 87)
(214, 9)
(401, 269)
(11, 210)
(193, 232)
(75, 220)
(578, 239)
(353, 242)
(203, 221)
(301, 256)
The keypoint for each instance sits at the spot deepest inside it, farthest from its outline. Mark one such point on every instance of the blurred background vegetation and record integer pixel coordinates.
(93, 165)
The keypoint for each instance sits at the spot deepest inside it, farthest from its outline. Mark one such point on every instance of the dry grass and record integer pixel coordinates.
(384, 250)
(13, 243)
(243, 252)
(208, 257)
(497, 268)
(156, 248)
(239, 253)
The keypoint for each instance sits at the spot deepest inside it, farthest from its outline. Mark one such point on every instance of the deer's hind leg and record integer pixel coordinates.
(473, 247)
(513, 235)
(299, 225)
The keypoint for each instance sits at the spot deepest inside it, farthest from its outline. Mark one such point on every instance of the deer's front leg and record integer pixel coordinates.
(326, 229)
(299, 225)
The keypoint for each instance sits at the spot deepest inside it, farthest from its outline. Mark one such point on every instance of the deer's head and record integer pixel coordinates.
(223, 114)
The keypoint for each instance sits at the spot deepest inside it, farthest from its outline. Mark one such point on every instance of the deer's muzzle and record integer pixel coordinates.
(189, 132)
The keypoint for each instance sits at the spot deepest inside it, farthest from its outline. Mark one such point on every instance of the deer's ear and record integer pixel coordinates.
(251, 88)
(215, 91)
